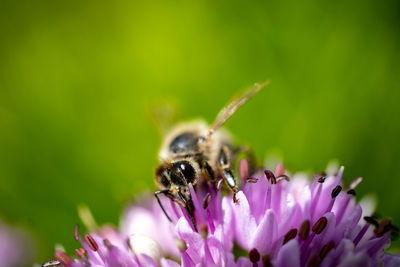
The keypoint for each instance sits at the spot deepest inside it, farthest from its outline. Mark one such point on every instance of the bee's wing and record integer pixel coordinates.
(232, 106)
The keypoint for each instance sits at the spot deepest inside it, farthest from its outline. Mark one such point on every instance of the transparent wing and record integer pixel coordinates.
(232, 106)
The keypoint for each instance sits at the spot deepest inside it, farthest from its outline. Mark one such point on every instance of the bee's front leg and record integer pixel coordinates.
(224, 162)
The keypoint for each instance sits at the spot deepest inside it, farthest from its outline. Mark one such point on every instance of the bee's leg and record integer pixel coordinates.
(225, 165)
(207, 171)
(164, 192)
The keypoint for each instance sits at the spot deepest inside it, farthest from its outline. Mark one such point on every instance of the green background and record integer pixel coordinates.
(78, 78)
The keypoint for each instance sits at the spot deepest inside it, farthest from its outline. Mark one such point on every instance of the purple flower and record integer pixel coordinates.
(276, 222)
(15, 246)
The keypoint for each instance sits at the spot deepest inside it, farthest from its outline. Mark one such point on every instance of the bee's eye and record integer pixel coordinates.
(187, 171)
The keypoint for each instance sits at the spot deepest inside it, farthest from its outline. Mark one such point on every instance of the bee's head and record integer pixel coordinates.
(176, 177)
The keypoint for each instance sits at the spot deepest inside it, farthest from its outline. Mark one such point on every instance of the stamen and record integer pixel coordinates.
(290, 235)
(360, 234)
(336, 191)
(80, 252)
(351, 192)
(51, 263)
(107, 243)
(304, 229)
(320, 225)
(383, 227)
(314, 261)
(181, 244)
(63, 258)
(244, 169)
(282, 177)
(266, 259)
(321, 179)
(252, 180)
(254, 255)
(279, 170)
(320, 175)
(270, 176)
(371, 220)
(342, 209)
(325, 249)
(206, 200)
(315, 200)
(203, 230)
(355, 182)
(210, 221)
(91, 242)
(76, 232)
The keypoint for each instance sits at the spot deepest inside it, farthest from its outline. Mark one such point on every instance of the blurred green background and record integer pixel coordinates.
(78, 78)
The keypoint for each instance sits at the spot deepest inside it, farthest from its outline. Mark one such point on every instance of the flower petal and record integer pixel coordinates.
(289, 254)
(168, 263)
(265, 233)
(245, 223)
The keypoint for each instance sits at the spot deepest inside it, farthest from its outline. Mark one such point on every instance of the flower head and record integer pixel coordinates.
(15, 246)
(276, 221)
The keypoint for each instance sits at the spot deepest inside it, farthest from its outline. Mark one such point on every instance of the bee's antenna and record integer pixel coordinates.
(164, 192)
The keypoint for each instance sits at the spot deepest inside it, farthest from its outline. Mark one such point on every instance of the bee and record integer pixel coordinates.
(193, 153)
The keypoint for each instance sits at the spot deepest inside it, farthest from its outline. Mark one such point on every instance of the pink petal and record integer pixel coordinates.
(289, 255)
(245, 222)
(193, 240)
(265, 233)
(168, 263)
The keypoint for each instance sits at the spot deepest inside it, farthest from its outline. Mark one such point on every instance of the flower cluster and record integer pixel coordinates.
(275, 222)
(15, 246)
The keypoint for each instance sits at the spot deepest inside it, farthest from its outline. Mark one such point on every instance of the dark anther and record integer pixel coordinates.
(290, 235)
(282, 177)
(320, 225)
(76, 232)
(304, 229)
(206, 200)
(336, 191)
(252, 180)
(270, 176)
(321, 179)
(319, 175)
(254, 255)
(181, 244)
(107, 243)
(371, 220)
(351, 192)
(51, 263)
(266, 259)
(325, 249)
(203, 230)
(314, 261)
(63, 258)
(383, 227)
(80, 252)
(91, 242)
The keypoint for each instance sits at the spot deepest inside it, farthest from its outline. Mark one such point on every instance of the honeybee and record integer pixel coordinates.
(194, 152)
